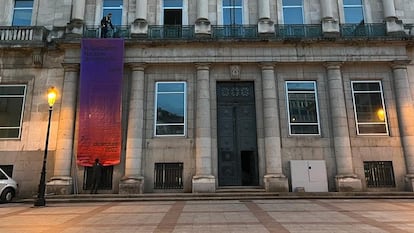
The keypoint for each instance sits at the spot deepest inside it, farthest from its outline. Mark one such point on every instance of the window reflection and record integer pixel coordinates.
(170, 108)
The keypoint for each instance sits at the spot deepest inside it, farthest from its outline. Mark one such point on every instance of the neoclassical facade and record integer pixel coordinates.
(285, 96)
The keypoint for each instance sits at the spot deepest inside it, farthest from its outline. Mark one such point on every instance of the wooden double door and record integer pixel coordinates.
(236, 134)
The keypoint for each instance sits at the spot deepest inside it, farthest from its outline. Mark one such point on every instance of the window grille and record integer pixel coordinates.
(168, 176)
(379, 174)
(106, 178)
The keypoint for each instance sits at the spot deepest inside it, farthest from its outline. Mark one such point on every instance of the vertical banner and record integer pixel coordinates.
(100, 101)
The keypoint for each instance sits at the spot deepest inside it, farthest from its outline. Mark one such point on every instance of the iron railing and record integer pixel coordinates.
(187, 32)
(170, 32)
(93, 31)
(168, 176)
(234, 31)
(367, 30)
(379, 174)
(295, 31)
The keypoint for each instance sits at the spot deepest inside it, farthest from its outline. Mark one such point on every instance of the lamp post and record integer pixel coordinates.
(40, 200)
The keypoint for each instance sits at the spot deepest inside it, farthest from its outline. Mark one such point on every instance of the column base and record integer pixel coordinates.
(204, 184)
(75, 28)
(330, 28)
(202, 27)
(276, 183)
(139, 28)
(348, 183)
(131, 185)
(409, 179)
(266, 26)
(60, 185)
(394, 26)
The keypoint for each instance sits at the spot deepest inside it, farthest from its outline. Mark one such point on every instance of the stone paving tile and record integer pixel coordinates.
(292, 207)
(138, 209)
(330, 228)
(256, 216)
(229, 228)
(124, 218)
(114, 229)
(311, 217)
(224, 207)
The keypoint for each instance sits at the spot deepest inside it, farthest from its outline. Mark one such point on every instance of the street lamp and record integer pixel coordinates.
(40, 200)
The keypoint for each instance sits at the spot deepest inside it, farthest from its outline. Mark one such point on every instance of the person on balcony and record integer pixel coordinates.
(105, 23)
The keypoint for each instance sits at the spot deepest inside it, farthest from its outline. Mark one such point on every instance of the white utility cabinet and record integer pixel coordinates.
(309, 175)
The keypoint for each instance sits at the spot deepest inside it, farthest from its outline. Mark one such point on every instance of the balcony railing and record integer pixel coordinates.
(363, 30)
(234, 31)
(22, 33)
(225, 32)
(171, 31)
(297, 31)
(93, 31)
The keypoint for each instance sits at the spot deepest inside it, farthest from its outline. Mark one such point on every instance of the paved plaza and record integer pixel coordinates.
(275, 215)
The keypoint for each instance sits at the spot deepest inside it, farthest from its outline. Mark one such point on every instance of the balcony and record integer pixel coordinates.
(37, 36)
(22, 34)
(374, 30)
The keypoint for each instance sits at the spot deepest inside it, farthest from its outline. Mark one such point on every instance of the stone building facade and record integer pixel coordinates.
(261, 83)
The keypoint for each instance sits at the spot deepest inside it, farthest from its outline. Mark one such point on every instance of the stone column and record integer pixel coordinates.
(405, 110)
(140, 25)
(61, 182)
(133, 181)
(274, 180)
(393, 24)
(203, 181)
(346, 180)
(330, 26)
(75, 27)
(265, 25)
(202, 25)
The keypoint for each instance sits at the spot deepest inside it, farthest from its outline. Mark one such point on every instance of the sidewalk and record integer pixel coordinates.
(218, 216)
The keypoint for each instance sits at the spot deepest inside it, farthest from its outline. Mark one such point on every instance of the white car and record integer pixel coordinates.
(8, 187)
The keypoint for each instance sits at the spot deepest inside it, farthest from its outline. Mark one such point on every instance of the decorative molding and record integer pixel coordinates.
(235, 72)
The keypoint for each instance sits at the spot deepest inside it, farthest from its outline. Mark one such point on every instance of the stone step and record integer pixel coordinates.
(231, 194)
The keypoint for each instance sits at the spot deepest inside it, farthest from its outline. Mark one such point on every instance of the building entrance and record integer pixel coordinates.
(236, 134)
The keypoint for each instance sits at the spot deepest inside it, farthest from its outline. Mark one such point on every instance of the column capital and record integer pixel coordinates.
(202, 66)
(267, 65)
(400, 64)
(333, 65)
(137, 66)
(71, 67)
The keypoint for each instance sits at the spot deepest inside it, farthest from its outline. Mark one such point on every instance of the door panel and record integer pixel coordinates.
(237, 141)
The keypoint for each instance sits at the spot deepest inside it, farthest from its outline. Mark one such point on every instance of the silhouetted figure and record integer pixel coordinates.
(105, 23)
(96, 176)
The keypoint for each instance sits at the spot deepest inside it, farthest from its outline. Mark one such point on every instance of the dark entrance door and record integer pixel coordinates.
(236, 134)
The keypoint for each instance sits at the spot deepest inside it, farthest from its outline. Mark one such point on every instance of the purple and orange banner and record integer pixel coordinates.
(100, 101)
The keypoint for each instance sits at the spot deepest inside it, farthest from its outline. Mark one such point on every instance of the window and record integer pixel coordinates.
(302, 108)
(173, 12)
(114, 7)
(106, 178)
(168, 176)
(170, 109)
(292, 11)
(379, 174)
(232, 12)
(353, 11)
(11, 110)
(22, 14)
(369, 108)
